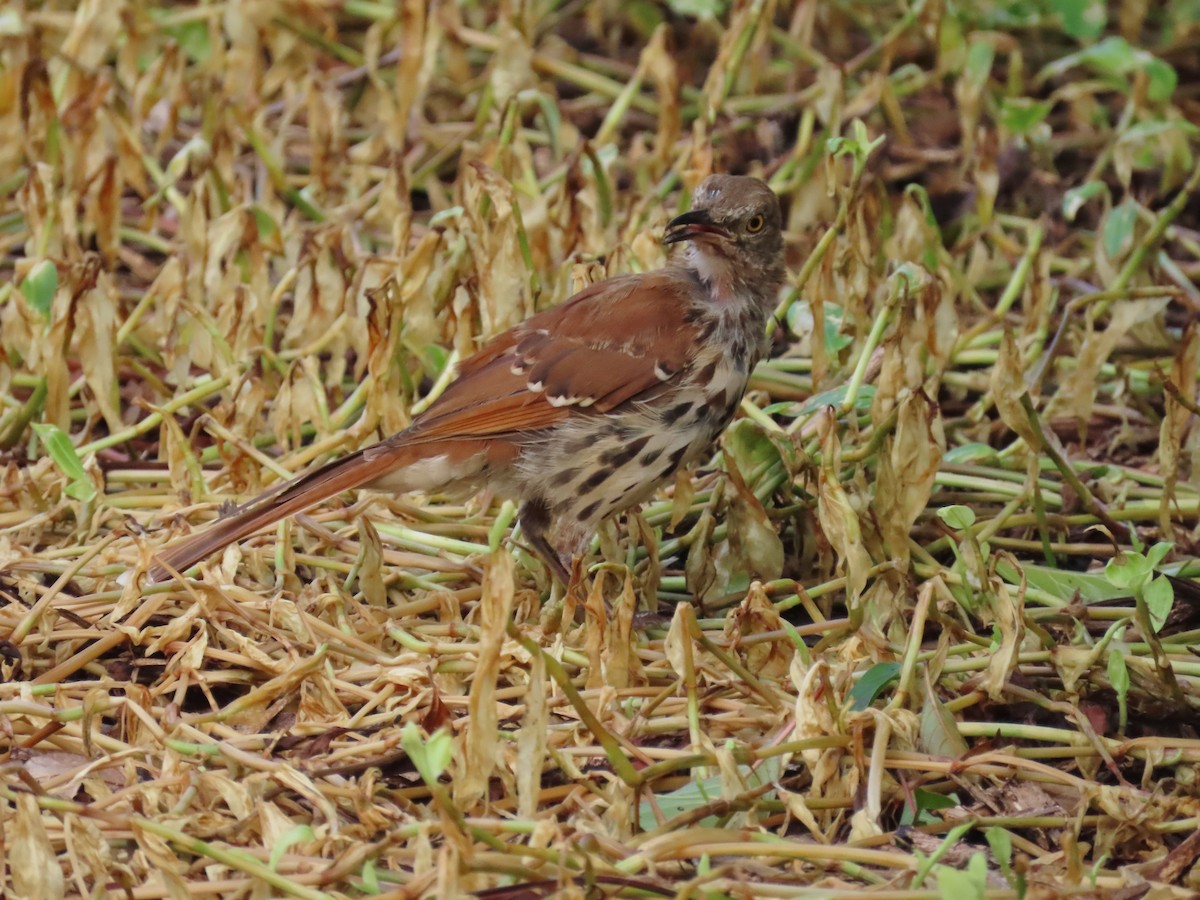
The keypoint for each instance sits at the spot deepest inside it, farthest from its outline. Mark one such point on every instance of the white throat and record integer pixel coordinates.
(715, 271)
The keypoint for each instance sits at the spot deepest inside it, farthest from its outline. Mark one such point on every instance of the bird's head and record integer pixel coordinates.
(735, 228)
(731, 213)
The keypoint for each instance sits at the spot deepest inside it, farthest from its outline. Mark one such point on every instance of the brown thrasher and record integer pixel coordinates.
(582, 410)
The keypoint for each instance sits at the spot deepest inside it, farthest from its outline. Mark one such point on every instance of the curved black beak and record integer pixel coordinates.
(693, 224)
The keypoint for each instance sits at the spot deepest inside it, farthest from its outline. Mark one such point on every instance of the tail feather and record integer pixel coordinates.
(294, 496)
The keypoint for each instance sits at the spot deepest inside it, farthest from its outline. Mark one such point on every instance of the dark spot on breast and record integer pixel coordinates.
(582, 444)
(650, 458)
(618, 456)
(588, 511)
(705, 375)
(720, 409)
(740, 355)
(676, 457)
(673, 414)
(563, 476)
(594, 480)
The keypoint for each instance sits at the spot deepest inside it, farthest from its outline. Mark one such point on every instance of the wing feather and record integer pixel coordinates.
(610, 344)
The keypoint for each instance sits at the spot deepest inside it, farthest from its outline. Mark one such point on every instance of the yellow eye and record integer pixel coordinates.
(755, 224)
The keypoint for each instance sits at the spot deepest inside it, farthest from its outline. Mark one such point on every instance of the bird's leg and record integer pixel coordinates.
(535, 520)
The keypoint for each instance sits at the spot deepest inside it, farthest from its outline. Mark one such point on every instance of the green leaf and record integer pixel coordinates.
(62, 451)
(1001, 843)
(867, 688)
(1063, 583)
(979, 65)
(927, 799)
(1111, 56)
(755, 548)
(293, 835)
(1152, 128)
(370, 878)
(1115, 58)
(938, 732)
(1156, 554)
(964, 884)
(951, 43)
(699, 793)
(835, 341)
(911, 277)
(40, 286)
(1074, 199)
(1160, 597)
(437, 358)
(264, 222)
(1162, 79)
(926, 863)
(1131, 571)
(835, 397)
(924, 804)
(1083, 20)
(644, 15)
(430, 755)
(859, 146)
(753, 452)
(800, 321)
(957, 517)
(1021, 115)
(970, 453)
(685, 799)
(440, 750)
(193, 38)
(1117, 231)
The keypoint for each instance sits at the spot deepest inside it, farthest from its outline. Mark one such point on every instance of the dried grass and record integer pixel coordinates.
(264, 223)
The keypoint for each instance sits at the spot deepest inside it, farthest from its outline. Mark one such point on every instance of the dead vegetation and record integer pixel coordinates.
(238, 238)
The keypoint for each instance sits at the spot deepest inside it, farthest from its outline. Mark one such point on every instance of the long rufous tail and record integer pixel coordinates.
(297, 495)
